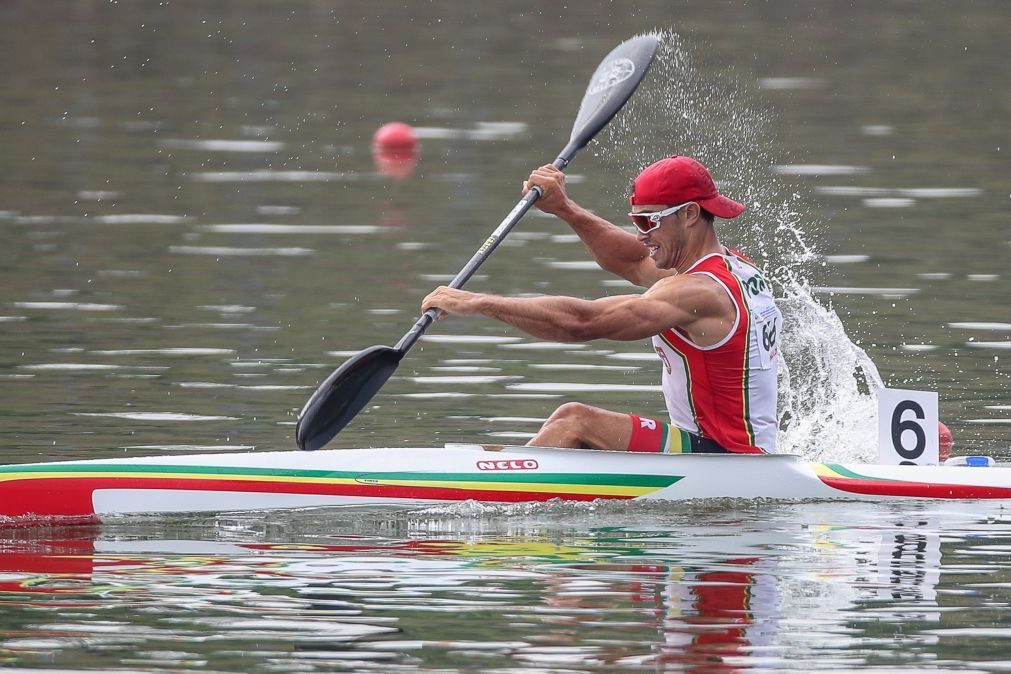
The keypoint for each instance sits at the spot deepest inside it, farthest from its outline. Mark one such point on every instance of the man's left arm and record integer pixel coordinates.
(569, 319)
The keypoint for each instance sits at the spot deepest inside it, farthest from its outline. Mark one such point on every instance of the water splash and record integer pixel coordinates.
(827, 383)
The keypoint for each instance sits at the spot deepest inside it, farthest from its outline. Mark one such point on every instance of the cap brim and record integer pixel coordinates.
(722, 207)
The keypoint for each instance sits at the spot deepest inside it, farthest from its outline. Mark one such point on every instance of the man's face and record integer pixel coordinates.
(662, 234)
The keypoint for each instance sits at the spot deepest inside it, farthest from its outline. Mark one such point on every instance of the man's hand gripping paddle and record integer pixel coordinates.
(351, 386)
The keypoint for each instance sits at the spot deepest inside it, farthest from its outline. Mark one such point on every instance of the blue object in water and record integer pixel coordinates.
(977, 461)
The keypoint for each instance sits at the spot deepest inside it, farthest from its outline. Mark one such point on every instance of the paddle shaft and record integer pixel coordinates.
(484, 252)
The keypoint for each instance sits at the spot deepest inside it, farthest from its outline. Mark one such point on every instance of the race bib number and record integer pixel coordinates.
(907, 427)
(766, 330)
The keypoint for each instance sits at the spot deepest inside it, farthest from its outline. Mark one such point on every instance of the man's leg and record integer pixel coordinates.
(584, 427)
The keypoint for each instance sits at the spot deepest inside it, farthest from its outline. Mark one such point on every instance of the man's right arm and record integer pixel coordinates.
(614, 249)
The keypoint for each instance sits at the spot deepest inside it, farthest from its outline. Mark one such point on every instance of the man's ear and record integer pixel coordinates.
(693, 213)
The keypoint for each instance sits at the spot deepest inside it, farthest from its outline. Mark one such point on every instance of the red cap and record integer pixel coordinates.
(676, 180)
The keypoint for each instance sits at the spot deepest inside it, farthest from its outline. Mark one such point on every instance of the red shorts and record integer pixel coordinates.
(653, 435)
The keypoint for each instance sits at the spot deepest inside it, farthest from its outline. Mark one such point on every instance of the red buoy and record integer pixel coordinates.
(395, 135)
(395, 150)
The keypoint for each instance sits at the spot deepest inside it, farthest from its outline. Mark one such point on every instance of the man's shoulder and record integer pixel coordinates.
(698, 289)
(740, 256)
(743, 266)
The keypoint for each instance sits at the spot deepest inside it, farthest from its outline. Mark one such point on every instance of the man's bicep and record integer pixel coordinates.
(634, 317)
(685, 299)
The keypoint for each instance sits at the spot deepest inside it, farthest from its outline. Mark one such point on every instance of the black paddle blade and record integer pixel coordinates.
(343, 395)
(612, 84)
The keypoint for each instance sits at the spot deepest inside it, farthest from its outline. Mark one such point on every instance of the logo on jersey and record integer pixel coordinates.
(508, 464)
(756, 284)
(663, 357)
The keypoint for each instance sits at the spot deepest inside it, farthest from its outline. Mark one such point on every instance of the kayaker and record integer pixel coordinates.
(709, 311)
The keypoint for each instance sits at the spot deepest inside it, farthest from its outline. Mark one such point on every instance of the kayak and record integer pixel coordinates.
(416, 476)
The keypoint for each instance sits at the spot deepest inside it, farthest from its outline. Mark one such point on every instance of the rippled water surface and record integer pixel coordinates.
(706, 587)
(196, 232)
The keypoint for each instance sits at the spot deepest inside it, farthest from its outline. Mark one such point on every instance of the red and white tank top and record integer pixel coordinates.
(727, 391)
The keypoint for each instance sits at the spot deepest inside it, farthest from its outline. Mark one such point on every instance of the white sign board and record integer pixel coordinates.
(907, 427)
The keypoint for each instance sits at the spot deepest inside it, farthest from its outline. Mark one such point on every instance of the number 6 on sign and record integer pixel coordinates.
(907, 427)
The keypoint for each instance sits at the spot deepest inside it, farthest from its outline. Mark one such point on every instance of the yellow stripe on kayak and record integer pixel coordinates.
(532, 487)
(824, 470)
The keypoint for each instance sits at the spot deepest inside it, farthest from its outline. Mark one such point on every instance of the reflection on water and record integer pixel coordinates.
(705, 587)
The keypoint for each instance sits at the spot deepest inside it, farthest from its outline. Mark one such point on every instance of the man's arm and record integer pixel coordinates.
(698, 305)
(614, 249)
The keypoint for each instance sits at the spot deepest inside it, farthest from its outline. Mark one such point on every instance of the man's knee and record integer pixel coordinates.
(569, 423)
(573, 412)
(580, 425)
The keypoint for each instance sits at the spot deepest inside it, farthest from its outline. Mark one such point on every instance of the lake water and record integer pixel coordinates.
(196, 233)
(705, 587)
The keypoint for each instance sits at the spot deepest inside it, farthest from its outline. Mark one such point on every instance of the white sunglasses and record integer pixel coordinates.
(653, 218)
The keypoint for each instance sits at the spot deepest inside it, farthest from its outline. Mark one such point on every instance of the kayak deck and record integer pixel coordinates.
(426, 475)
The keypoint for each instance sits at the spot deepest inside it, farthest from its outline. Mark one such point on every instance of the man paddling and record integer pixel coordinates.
(708, 310)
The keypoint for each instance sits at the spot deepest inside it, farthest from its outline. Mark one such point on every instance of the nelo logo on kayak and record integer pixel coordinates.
(508, 464)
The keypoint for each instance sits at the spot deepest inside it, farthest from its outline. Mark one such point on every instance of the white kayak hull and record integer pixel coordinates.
(411, 476)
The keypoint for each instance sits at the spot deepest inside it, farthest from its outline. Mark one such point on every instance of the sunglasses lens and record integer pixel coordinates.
(642, 223)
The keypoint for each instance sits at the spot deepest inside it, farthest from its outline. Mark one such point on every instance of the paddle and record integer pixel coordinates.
(350, 387)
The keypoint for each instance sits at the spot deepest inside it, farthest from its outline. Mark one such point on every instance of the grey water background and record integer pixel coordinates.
(195, 233)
